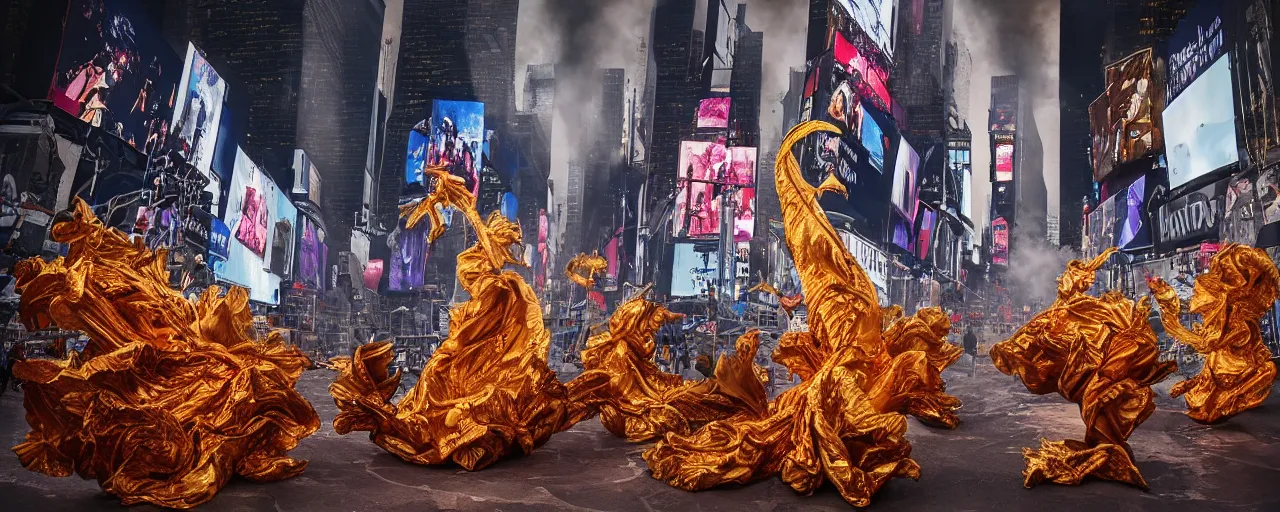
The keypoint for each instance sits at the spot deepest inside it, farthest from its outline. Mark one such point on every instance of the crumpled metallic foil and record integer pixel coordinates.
(583, 269)
(843, 422)
(1097, 352)
(487, 392)
(641, 401)
(170, 398)
(788, 302)
(1240, 287)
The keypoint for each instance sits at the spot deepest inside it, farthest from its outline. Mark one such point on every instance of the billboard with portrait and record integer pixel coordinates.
(692, 271)
(408, 261)
(875, 18)
(713, 113)
(1004, 162)
(312, 254)
(1200, 126)
(1125, 119)
(870, 80)
(904, 180)
(1000, 241)
(454, 133)
(255, 216)
(115, 71)
(197, 110)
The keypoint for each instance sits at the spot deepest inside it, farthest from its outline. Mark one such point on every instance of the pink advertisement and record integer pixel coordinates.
(253, 229)
(1004, 162)
(713, 113)
(744, 218)
(875, 80)
(372, 274)
(741, 170)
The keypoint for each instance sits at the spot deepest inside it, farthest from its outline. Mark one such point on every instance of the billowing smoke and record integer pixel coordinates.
(1034, 269)
(1017, 41)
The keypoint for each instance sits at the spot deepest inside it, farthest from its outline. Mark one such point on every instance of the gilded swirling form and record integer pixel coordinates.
(788, 302)
(1099, 353)
(170, 398)
(1232, 297)
(582, 269)
(844, 421)
(641, 401)
(487, 392)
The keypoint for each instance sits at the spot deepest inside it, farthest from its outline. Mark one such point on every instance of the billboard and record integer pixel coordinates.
(1198, 41)
(1124, 120)
(875, 18)
(692, 271)
(1004, 162)
(744, 217)
(869, 79)
(313, 254)
(741, 170)
(927, 220)
(116, 72)
(306, 179)
(452, 136)
(904, 180)
(219, 243)
(713, 113)
(875, 142)
(1200, 126)
(961, 161)
(1133, 230)
(701, 163)
(1191, 218)
(1257, 85)
(257, 213)
(197, 111)
(1000, 241)
(901, 233)
(408, 261)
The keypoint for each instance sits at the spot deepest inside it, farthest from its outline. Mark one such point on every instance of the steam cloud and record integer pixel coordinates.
(1017, 41)
(785, 24)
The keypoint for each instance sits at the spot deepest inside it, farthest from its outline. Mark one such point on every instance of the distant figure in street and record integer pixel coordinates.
(16, 353)
(971, 348)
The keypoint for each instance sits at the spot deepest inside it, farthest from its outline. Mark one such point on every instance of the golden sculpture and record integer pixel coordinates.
(1239, 288)
(788, 302)
(843, 422)
(642, 402)
(171, 398)
(487, 392)
(582, 269)
(1100, 353)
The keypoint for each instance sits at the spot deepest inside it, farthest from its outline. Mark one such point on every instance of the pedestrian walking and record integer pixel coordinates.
(971, 348)
(18, 352)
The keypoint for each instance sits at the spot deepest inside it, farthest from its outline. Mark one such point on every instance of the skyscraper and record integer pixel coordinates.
(1081, 82)
(918, 73)
(744, 119)
(540, 93)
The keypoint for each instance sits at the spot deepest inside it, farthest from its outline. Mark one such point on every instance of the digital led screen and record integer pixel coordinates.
(256, 215)
(116, 72)
(692, 271)
(1004, 162)
(868, 78)
(924, 242)
(1000, 241)
(415, 159)
(904, 180)
(744, 219)
(408, 259)
(875, 142)
(961, 164)
(454, 136)
(197, 111)
(312, 254)
(713, 113)
(306, 179)
(1124, 119)
(1199, 40)
(902, 232)
(1200, 126)
(373, 274)
(1133, 229)
(700, 165)
(741, 170)
(874, 17)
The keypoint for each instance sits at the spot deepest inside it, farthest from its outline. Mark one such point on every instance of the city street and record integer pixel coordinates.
(977, 467)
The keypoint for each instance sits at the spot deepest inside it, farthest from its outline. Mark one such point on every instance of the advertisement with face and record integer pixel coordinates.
(1000, 241)
(692, 271)
(197, 110)
(713, 113)
(409, 249)
(116, 72)
(701, 163)
(904, 180)
(253, 225)
(1004, 162)
(1242, 212)
(456, 135)
(741, 170)
(873, 17)
(869, 78)
(1200, 126)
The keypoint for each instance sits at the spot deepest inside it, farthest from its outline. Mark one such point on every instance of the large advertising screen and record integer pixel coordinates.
(197, 111)
(454, 135)
(116, 72)
(875, 142)
(1198, 41)
(904, 180)
(713, 113)
(408, 262)
(926, 219)
(874, 17)
(869, 78)
(1191, 218)
(306, 179)
(1200, 126)
(741, 170)
(1004, 162)
(1133, 231)
(744, 218)
(1000, 241)
(692, 271)
(700, 164)
(258, 215)
(1125, 119)
(313, 257)
(961, 162)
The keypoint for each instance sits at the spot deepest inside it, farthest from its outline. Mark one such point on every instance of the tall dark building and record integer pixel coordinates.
(744, 120)
(675, 96)
(449, 50)
(540, 93)
(917, 83)
(1081, 82)
(604, 167)
(1133, 24)
(341, 43)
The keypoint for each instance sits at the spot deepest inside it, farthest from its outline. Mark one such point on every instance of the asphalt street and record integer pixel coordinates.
(1232, 466)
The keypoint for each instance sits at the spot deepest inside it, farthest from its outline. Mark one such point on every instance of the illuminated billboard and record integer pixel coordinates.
(453, 137)
(1200, 126)
(713, 113)
(960, 161)
(1000, 241)
(260, 222)
(1198, 41)
(868, 78)
(1004, 162)
(197, 111)
(701, 164)
(692, 271)
(306, 179)
(1133, 231)
(408, 259)
(875, 18)
(1124, 120)
(927, 220)
(313, 254)
(875, 142)
(741, 169)
(116, 72)
(904, 180)
(744, 218)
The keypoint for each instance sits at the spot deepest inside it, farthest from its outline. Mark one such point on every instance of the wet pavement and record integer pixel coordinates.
(1233, 466)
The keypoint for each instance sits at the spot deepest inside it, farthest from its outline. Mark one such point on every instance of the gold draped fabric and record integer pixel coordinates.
(170, 398)
(641, 401)
(487, 392)
(788, 302)
(582, 269)
(1099, 353)
(1232, 297)
(844, 422)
